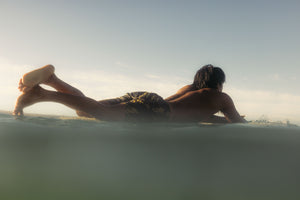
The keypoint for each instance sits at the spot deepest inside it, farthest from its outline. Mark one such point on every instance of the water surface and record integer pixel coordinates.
(71, 158)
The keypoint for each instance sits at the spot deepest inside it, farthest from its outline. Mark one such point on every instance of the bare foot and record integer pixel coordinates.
(35, 77)
(50, 81)
(28, 98)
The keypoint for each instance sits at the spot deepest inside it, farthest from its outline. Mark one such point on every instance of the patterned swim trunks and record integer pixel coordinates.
(145, 107)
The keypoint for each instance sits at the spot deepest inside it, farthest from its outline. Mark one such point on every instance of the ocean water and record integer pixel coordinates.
(46, 157)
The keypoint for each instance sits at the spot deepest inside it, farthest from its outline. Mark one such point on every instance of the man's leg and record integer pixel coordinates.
(45, 75)
(64, 87)
(81, 103)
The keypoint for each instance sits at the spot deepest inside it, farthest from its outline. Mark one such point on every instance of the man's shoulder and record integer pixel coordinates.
(209, 91)
(225, 100)
(213, 93)
(225, 97)
(187, 88)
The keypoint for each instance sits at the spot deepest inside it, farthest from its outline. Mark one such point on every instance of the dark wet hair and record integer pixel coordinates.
(208, 77)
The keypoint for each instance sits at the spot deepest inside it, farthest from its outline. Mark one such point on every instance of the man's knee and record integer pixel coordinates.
(83, 114)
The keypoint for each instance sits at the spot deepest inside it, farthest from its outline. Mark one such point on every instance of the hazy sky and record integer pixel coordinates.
(106, 48)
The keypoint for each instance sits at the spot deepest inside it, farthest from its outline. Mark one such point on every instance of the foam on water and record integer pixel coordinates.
(46, 157)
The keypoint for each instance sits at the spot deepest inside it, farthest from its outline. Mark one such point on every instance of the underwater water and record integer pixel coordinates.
(72, 158)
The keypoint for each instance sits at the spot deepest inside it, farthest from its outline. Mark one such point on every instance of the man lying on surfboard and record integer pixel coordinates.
(196, 102)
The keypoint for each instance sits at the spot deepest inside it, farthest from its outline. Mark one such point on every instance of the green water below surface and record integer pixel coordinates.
(70, 158)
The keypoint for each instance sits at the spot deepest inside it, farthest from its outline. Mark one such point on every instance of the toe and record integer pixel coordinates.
(21, 85)
(23, 88)
(18, 112)
(26, 89)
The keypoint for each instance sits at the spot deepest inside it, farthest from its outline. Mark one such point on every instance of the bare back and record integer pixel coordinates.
(199, 105)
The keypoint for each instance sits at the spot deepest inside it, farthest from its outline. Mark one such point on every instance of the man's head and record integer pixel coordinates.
(209, 77)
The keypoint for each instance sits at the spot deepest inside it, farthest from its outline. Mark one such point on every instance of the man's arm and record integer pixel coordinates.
(230, 112)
